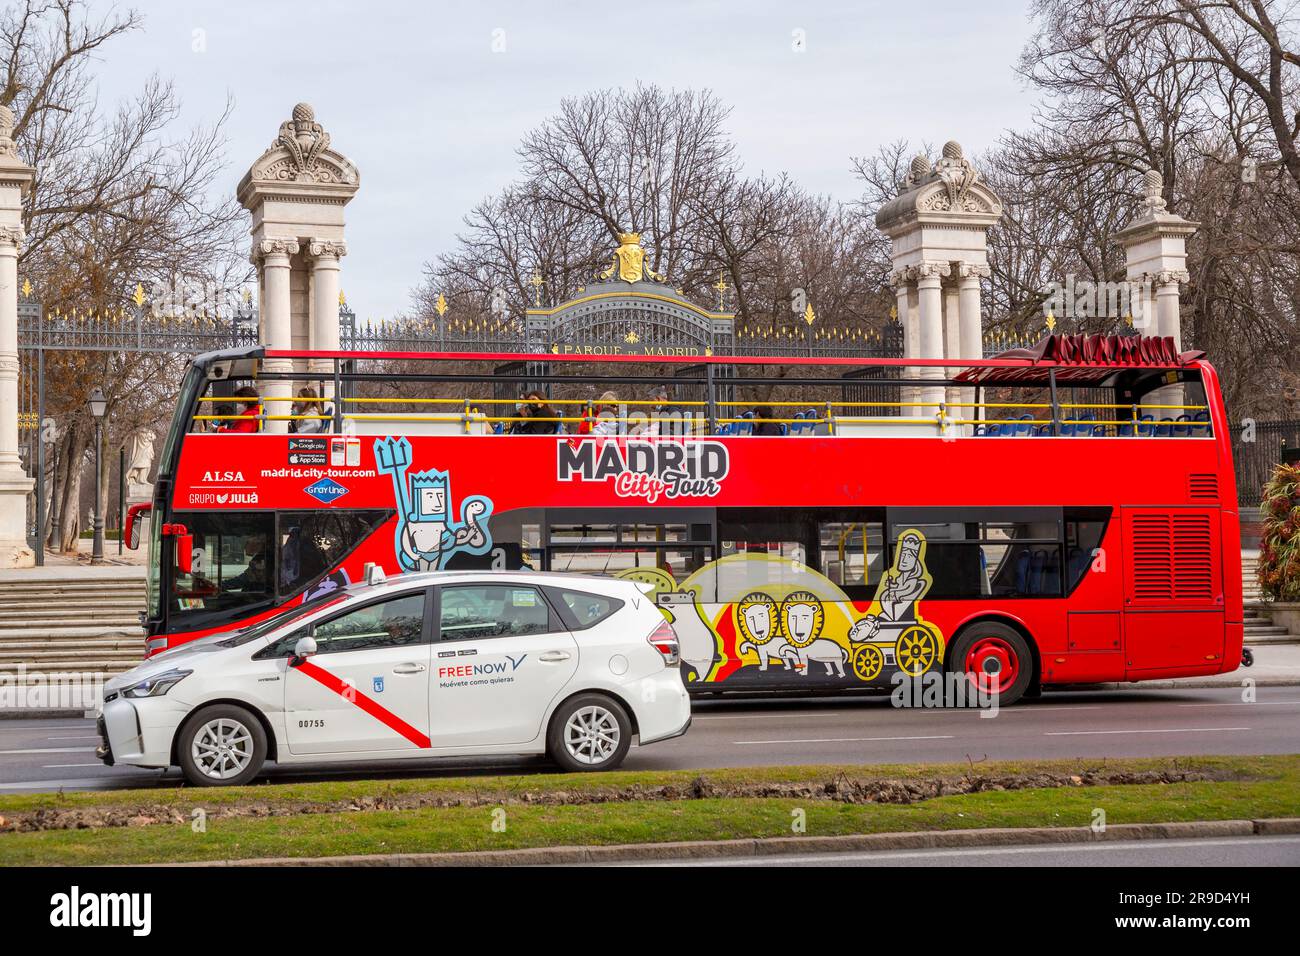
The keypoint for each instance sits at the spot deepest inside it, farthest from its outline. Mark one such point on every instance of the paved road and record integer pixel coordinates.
(1234, 851)
(41, 755)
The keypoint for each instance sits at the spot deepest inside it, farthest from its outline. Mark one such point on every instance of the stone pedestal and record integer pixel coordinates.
(296, 193)
(16, 179)
(938, 228)
(1155, 249)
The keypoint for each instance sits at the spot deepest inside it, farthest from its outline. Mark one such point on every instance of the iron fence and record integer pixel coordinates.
(1256, 450)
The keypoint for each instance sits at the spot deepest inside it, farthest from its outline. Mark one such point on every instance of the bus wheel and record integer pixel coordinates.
(589, 732)
(221, 746)
(998, 656)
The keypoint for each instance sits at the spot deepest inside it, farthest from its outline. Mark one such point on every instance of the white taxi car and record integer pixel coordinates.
(421, 665)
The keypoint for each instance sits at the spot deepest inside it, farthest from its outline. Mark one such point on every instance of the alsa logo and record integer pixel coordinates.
(647, 469)
(226, 476)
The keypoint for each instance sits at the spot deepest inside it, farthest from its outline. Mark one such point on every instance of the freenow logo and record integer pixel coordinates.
(75, 908)
(326, 490)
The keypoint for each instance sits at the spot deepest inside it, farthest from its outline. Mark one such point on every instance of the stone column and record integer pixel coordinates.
(904, 283)
(951, 321)
(929, 289)
(276, 310)
(970, 318)
(15, 182)
(325, 300)
(1167, 319)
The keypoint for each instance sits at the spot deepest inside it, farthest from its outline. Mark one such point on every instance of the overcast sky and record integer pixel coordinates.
(415, 95)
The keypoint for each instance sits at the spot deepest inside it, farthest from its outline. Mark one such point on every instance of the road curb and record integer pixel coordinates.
(778, 846)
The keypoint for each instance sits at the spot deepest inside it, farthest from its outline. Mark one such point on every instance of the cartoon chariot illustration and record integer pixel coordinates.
(896, 635)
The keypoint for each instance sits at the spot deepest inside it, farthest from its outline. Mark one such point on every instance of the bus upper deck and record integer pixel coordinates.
(1068, 391)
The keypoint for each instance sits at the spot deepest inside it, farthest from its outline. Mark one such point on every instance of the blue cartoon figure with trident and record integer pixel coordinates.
(426, 535)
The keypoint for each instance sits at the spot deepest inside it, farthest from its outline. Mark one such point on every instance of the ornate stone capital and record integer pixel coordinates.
(933, 270)
(902, 277)
(275, 247)
(12, 236)
(970, 270)
(1172, 277)
(334, 249)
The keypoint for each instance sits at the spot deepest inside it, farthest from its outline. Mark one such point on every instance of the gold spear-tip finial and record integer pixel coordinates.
(138, 297)
(441, 305)
(27, 288)
(809, 315)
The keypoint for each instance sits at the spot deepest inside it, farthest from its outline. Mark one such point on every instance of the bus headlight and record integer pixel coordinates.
(158, 684)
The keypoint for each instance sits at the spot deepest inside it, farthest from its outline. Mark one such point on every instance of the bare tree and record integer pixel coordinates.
(119, 199)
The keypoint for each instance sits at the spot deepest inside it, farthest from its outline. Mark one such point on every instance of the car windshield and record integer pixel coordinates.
(262, 628)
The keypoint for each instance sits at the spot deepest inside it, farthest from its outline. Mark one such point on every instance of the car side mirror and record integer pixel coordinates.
(305, 648)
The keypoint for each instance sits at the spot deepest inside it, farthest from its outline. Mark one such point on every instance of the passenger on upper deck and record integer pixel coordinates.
(539, 414)
(309, 403)
(248, 411)
(763, 424)
(604, 417)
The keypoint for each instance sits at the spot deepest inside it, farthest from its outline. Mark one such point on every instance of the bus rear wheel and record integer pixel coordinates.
(995, 655)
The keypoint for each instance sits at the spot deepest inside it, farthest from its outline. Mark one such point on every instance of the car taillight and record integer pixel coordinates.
(664, 639)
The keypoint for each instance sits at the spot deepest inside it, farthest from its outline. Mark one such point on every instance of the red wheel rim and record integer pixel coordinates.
(994, 663)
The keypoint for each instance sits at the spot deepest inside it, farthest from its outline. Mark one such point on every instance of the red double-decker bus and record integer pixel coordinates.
(1060, 516)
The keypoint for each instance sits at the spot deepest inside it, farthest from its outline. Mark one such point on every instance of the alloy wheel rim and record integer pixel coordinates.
(591, 735)
(994, 663)
(223, 748)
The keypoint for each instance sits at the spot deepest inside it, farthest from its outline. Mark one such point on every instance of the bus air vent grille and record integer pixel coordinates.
(1203, 487)
(1172, 557)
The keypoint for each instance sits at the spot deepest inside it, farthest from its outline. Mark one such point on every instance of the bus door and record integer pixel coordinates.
(1173, 588)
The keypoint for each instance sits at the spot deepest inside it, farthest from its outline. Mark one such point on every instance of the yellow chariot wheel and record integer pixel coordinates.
(916, 651)
(868, 662)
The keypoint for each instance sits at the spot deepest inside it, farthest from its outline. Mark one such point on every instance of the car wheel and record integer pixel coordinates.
(221, 746)
(999, 654)
(589, 732)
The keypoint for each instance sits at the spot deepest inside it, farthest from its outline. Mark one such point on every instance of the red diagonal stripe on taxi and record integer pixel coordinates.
(371, 707)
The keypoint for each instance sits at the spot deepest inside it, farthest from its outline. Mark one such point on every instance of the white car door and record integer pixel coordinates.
(500, 656)
(367, 688)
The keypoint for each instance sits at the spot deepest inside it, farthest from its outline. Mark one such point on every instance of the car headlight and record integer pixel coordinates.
(158, 684)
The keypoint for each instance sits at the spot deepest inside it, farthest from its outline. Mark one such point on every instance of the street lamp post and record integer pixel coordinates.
(98, 405)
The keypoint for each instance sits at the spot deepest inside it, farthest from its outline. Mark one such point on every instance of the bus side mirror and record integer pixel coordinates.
(185, 553)
(305, 648)
(133, 514)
